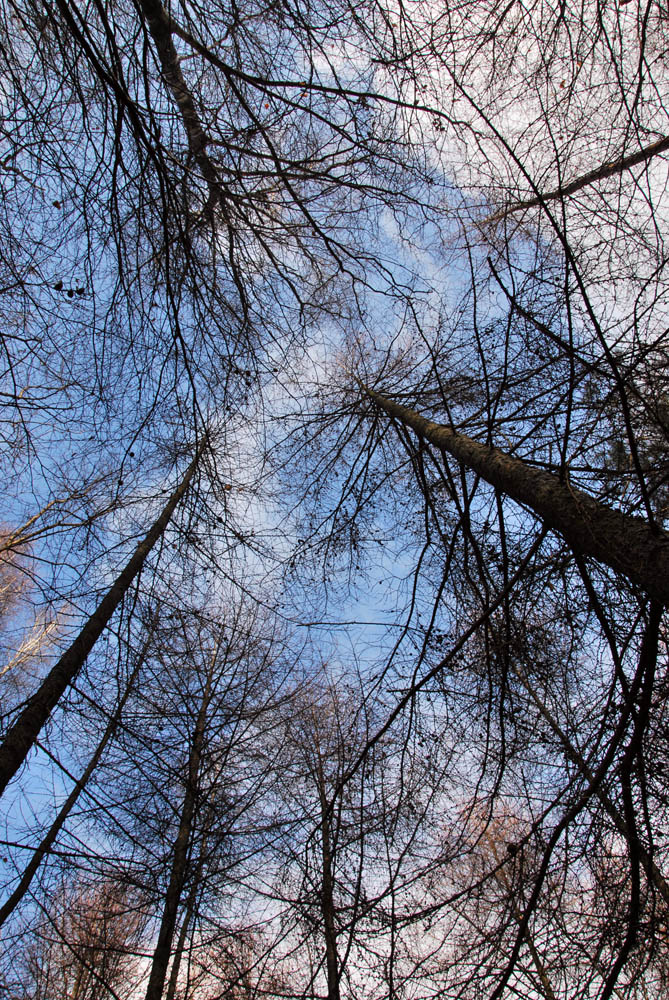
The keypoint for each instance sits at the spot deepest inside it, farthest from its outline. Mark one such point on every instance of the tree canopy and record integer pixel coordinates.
(334, 423)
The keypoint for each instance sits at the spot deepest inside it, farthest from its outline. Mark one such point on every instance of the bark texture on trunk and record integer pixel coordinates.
(622, 541)
(21, 736)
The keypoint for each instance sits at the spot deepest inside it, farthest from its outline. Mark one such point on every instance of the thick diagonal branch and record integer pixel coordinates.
(599, 173)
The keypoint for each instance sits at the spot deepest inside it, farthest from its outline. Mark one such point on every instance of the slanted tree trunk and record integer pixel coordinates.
(161, 27)
(21, 736)
(48, 841)
(622, 541)
(503, 881)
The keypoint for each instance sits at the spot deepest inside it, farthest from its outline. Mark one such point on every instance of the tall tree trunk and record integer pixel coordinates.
(161, 27)
(183, 932)
(22, 735)
(327, 890)
(624, 542)
(48, 841)
(163, 949)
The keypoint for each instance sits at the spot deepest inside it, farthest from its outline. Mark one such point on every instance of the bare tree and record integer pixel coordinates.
(84, 947)
(204, 208)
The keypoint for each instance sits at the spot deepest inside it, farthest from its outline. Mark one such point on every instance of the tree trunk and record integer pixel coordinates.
(502, 880)
(48, 841)
(573, 755)
(163, 949)
(622, 541)
(22, 735)
(327, 891)
(160, 25)
(185, 924)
